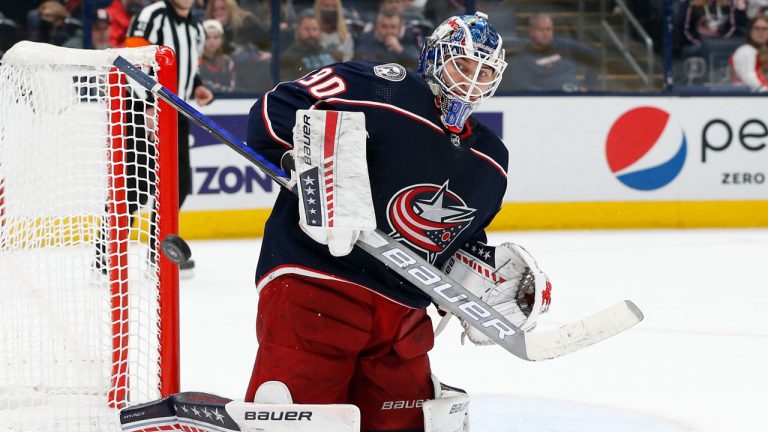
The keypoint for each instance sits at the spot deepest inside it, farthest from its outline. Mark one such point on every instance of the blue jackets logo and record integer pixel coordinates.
(428, 217)
(646, 149)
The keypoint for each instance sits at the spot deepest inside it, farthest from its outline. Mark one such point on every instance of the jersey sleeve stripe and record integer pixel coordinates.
(268, 123)
(491, 161)
(334, 101)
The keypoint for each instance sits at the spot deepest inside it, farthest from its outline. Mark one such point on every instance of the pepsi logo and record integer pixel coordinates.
(646, 148)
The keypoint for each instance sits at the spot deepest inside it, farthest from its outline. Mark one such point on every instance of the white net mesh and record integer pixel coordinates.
(79, 277)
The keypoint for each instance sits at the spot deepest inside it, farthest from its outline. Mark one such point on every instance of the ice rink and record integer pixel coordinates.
(697, 363)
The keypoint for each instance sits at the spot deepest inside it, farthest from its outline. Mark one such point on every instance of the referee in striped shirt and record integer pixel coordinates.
(171, 23)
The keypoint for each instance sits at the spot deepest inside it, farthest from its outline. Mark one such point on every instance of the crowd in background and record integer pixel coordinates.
(714, 41)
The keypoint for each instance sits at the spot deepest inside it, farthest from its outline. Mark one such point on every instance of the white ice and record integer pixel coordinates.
(699, 361)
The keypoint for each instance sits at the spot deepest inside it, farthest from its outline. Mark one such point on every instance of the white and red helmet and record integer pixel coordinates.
(466, 36)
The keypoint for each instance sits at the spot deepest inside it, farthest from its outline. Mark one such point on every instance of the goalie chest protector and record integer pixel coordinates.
(432, 190)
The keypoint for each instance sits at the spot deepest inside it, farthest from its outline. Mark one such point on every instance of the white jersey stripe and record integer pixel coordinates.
(385, 106)
(268, 122)
(491, 161)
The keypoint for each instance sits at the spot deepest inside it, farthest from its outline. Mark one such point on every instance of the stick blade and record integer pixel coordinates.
(581, 334)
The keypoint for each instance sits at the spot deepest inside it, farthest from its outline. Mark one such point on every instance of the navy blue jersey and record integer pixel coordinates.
(432, 190)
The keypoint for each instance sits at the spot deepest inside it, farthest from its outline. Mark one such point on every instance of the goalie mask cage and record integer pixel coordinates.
(89, 320)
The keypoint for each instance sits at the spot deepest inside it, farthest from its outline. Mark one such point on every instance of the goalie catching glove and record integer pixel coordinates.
(335, 203)
(507, 278)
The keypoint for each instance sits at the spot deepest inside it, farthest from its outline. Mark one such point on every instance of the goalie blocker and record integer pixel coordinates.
(274, 411)
(335, 203)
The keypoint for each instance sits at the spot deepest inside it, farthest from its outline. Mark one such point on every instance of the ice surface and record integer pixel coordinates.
(697, 362)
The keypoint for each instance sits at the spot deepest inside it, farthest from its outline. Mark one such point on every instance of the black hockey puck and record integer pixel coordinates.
(176, 249)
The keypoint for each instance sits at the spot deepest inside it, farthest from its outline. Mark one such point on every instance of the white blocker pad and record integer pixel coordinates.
(255, 417)
(335, 202)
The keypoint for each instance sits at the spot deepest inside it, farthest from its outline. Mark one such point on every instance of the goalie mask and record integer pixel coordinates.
(462, 61)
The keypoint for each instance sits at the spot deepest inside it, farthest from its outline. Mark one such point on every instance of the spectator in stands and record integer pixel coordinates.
(708, 19)
(121, 12)
(306, 53)
(415, 8)
(51, 28)
(384, 44)
(99, 32)
(16, 11)
(217, 69)
(72, 21)
(199, 9)
(393, 6)
(334, 35)
(396, 6)
(550, 63)
(438, 10)
(756, 8)
(750, 61)
(242, 29)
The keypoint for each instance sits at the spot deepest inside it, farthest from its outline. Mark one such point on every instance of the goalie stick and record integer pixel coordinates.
(444, 291)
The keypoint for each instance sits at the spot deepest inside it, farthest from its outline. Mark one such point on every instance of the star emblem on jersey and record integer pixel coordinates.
(428, 217)
(390, 71)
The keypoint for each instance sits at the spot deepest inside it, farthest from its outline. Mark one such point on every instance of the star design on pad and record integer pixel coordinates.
(195, 411)
(207, 413)
(433, 209)
(309, 181)
(309, 191)
(219, 416)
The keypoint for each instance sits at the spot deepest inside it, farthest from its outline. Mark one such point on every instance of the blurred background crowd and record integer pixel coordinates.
(551, 45)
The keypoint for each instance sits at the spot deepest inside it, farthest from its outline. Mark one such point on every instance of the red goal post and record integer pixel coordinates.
(88, 189)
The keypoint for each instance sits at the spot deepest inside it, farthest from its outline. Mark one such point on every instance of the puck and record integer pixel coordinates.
(176, 249)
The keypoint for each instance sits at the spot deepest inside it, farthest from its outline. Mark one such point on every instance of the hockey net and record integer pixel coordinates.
(88, 187)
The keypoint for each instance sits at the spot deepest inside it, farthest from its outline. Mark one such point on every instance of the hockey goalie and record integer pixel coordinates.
(343, 340)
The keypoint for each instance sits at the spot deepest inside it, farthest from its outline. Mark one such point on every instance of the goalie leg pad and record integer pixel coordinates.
(274, 412)
(448, 412)
(180, 411)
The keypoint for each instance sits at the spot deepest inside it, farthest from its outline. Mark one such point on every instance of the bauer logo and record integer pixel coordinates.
(646, 148)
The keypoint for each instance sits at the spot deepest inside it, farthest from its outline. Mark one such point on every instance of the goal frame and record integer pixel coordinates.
(118, 229)
(116, 222)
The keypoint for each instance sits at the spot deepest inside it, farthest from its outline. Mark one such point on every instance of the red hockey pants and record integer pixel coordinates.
(332, 342)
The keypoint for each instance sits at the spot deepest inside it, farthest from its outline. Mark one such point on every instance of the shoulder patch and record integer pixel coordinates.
(390, 71)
